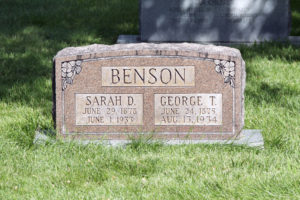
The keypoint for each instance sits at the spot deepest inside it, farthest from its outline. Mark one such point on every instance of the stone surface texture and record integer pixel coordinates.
(214, 21)
(250, 138)
(182, 92)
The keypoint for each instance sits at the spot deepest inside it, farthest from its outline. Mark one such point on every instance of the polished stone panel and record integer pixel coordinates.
(188, 109)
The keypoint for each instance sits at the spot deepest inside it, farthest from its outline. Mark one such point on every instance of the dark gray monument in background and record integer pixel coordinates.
(239, 21)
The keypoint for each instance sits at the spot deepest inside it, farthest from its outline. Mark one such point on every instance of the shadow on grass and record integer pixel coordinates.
(263, 87)
(295, 5)
(33, 31)
(277, 94)
(271, 51)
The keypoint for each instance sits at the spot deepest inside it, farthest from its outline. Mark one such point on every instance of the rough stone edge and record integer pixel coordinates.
(244, 76)
(53, 94)
(193, 47)
(250, 138)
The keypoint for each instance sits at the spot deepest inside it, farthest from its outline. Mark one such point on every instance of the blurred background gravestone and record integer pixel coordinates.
(214, 20)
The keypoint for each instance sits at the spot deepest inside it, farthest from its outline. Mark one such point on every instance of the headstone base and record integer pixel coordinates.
(250, 138)
(127, 39)
(295, 40)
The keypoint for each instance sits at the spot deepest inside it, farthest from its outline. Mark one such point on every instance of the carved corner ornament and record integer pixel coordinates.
(227, 70)
(68, 72)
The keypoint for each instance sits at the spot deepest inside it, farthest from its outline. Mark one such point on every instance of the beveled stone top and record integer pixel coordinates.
(96, 48)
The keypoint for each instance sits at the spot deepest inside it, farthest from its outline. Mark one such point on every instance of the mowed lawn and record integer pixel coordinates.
(31, 32)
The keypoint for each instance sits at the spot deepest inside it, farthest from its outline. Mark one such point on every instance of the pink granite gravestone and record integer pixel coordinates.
(171, 91)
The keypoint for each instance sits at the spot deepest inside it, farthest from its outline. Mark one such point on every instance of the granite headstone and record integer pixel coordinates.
(171, 91)
(214, 21)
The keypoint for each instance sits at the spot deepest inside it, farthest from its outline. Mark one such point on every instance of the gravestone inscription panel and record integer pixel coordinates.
(172, 91)
(214, 20)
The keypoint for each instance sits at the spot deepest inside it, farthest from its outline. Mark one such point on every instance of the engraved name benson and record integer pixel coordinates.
(149, 76)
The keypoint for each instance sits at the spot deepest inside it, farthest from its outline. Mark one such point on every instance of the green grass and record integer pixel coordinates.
(31, 32)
